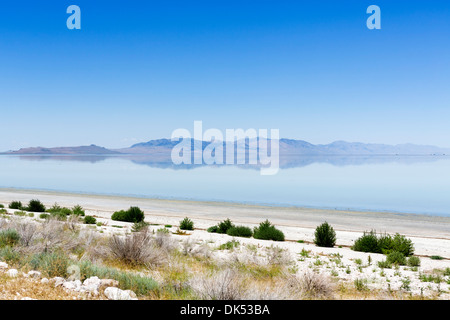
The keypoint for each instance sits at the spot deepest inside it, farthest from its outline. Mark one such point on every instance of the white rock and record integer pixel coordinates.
(44, 280)
(113, 293)
(72, 285)
(91, 285)
(12, 273)
(58, 281)
(27, 298)
(3, 265)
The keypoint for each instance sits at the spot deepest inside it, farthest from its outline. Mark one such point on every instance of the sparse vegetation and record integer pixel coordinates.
(193, 268)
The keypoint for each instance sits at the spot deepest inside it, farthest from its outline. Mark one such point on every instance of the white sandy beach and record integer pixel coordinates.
(430, 234)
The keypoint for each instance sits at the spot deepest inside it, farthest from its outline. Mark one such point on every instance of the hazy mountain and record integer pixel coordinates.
(300, 147)
(92, 149)
(161, 148)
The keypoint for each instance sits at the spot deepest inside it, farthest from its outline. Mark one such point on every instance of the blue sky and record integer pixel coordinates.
(137, 70)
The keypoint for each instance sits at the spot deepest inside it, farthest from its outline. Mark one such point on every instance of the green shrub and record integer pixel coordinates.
(9, 255)
(44, 216)
(9, 237)
(325, 236)
(240, 231)
(53, 264)
(141, 285)
(384, 264)
(90, 220)
(213, 229)
(397, 258)
(401, 244)
(186, 224)
(385, 244)
(368, 242)
(119, 216)
(133, 214)
(78, 210)
(229, 245)
(15, 205)
(54, 208)
(413, 261)
(66, 211)
(223, 226)
(20, 213)
(1, 206)
(35, 206)
(266, 231)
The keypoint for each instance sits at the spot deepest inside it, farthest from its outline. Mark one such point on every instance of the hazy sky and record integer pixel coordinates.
(137, 70)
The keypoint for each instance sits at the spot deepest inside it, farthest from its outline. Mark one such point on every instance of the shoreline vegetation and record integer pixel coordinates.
(67, 246)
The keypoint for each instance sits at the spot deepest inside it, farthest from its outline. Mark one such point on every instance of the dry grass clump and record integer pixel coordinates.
(312, 285)
(137, 249)
(227, 284)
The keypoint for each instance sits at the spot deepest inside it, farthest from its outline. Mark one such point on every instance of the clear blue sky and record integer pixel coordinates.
(137, 70)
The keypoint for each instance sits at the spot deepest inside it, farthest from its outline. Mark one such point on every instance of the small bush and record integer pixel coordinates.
(384, 264)
(186, 224)
(224, 226)
(401, 244)
(44, 216)
(15, 205)
(9, 237)
(54, 208)
(78, 210)
(213, 229)
(240, 231)
(35, 206)
(266, 231)
(385, 244)
(229, 245)
(413, 261)
(1, 206)
(90, 220)
(396, 258)
(133, 214)
(368, 242)
(51, 264)
(325, 236)
(120, 216)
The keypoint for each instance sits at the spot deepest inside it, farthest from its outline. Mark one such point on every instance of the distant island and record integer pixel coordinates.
(287, 147)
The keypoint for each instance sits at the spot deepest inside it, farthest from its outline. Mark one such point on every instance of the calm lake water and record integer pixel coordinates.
(412, 184)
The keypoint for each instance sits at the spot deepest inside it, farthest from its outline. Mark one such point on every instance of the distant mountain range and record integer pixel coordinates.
(163, 147)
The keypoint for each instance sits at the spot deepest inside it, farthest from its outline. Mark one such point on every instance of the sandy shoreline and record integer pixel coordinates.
(430, 234)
